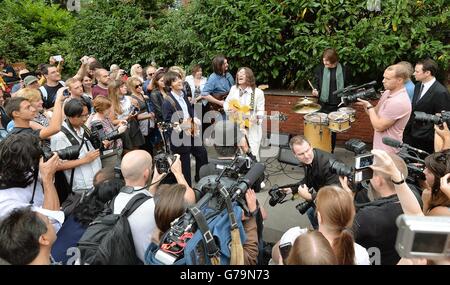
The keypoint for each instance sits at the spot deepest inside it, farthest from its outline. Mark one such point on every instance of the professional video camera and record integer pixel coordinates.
(69, 153)
(218, 192)
(351, 93)
(356, 146)
(424, 237)
(231, 172)
(98, 135)
(429, 118)
(412, 158)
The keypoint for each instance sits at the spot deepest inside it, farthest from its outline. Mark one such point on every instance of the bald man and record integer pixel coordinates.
(102, 77)
(137, 171)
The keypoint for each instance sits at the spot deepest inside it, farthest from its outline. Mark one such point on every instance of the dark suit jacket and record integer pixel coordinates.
(168, 110)
(318, 75)
(435, 100)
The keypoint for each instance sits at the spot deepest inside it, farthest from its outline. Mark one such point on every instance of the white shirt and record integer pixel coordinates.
(191, 81)
(13, 198)
(183, 105)
(245, 99)
(125, 105)
(142, 221)
(83, 175)
(427, 86)
(361, 255)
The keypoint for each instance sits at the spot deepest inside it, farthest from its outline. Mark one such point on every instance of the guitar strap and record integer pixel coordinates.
(252, 101)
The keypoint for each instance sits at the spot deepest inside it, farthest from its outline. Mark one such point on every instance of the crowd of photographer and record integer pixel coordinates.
(84, 178)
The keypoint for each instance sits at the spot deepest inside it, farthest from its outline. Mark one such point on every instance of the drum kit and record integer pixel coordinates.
(318, 126)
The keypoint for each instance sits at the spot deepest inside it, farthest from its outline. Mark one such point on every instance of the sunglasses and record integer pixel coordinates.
(139, 85)
(150, 74)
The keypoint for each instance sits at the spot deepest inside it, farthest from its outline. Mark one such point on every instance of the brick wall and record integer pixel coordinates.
(360, 129)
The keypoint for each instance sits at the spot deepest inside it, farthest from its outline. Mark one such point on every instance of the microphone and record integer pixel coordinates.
(250, 178)
(398, 144)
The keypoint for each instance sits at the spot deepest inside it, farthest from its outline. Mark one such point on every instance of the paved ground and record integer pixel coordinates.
(284, 216)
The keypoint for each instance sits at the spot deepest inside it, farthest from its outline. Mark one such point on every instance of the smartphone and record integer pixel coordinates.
(285, 248)
(363, 161)
(57, 57)
(363, 174)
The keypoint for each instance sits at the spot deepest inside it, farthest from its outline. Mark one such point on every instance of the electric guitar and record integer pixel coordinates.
(241, 114)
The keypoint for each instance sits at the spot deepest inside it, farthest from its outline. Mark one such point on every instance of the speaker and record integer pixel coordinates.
(279, 139)
(286, 156)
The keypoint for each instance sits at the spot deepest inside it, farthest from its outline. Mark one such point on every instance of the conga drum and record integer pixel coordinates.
(316, 131)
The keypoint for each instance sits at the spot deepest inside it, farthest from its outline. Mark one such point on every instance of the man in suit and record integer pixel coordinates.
(176, 108)
(430, 97)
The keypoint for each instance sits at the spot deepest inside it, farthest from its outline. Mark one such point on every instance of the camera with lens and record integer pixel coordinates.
(356, 146)
(162, 162)
(351, 93)
(304, 206)
(69, 153)
(423, 237)
(341, 169)
(429, 118)
(98, 135)
(276, 196)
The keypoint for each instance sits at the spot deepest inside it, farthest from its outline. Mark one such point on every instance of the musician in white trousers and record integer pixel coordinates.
(245, 103)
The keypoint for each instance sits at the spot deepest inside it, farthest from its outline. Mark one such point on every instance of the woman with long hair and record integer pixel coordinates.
(335, 214)
(159, 93)
(123, 111)
(146, 114)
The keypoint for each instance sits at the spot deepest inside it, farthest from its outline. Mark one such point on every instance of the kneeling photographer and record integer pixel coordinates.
(80, 171)
(316, 164)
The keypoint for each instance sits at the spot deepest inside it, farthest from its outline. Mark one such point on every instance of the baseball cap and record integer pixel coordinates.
(29, 79)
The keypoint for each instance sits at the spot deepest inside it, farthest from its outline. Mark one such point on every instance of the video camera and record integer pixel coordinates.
(98, 135)
(355, 174)
(277, 196)
(424, 237)
(429, 118)
(217, 192)
(69, 153)
(162, 162)
(351, 93)
(411, 156)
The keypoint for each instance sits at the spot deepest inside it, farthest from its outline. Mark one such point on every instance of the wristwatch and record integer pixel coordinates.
(402, 180)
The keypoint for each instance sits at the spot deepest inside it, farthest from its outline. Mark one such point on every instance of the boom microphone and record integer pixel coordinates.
(250, 178)
(398, 144)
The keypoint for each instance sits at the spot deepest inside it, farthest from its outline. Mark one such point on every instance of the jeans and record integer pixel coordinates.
(312, 216)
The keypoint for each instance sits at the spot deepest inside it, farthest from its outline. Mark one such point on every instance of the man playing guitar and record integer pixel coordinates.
(247, 94)
(176, 108)
(219, 83)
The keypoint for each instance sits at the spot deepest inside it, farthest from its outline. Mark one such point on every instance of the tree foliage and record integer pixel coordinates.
(32, 31)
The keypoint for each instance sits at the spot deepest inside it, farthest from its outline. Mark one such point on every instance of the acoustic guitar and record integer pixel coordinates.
(188, 126)
(241, 114)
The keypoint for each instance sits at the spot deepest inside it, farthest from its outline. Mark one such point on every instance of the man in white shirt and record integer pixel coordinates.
(88, 162)
(137, 171)
(248, 97)
(20, 185)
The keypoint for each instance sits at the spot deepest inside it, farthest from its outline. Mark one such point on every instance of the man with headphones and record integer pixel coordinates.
(80, 172)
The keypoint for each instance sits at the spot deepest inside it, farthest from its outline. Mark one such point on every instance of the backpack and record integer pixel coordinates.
(211, 239)
(108, 239)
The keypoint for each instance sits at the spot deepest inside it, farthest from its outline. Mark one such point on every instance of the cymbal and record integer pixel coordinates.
(306, 106)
